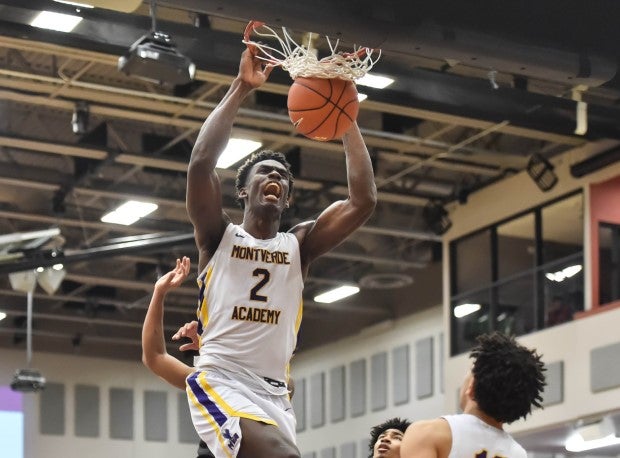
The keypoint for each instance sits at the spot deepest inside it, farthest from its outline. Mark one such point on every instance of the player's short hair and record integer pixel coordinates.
(401, 424)
(263, 155)
(508, 377)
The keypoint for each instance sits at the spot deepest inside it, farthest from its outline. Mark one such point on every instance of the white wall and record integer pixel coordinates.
(388, 336)
(570, 342)
(106, 374)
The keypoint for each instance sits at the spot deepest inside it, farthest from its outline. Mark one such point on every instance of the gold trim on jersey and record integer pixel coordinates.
(202, 382)
(203, 307)
(205, 413)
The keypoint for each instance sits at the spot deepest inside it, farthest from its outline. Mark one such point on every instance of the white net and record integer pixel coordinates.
(301, 60)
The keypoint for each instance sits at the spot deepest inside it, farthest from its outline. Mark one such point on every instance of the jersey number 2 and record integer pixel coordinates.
(264, 274)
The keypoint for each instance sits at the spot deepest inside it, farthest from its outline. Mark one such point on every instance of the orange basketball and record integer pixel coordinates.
(322, 109)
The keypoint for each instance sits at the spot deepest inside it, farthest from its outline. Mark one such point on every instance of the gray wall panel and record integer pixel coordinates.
(86, 411)
(378, 381)
(357, 383)
(400, 374)
(121, 413)
(308, 454)
(348, 450)
(605, 367)
(317, 400)
(187, 433)
(299, 404)
(155, 416)
(52, 409)
(424, 367)
(337, 394)
(363, 448)
(554, 390)
(441, 363)
(329, 452)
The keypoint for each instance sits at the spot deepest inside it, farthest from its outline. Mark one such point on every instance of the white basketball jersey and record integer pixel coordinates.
(250, 303)
(473, 438)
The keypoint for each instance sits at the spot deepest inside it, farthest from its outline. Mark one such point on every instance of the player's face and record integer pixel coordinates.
(268, 184)
(388, 444)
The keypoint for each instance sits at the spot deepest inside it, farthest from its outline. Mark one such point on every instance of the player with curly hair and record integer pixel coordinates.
(505, 381)
(386, 437)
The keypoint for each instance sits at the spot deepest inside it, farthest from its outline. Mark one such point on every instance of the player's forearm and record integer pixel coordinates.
(360, 176)
(216, 130)
(153, 342)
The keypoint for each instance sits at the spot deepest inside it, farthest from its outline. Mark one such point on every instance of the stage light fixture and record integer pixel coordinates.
(79, 119)
(155, 58)
(541, 171)
(436, 218)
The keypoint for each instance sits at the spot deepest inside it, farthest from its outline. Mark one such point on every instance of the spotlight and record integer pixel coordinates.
(155, 58)
(436, 217)
(79, 120)
(541, 171)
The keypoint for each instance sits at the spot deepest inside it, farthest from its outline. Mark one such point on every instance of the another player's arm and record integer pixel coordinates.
(204, 198)
(427, 439)
(343, 217)
(154, 354)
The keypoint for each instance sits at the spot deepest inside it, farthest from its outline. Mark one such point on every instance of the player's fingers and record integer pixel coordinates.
(188, 346)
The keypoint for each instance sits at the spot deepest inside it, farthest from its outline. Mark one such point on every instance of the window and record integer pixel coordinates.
(562, 229)
(525, 273)
(473, 261)
(516, 246)
(609, 262)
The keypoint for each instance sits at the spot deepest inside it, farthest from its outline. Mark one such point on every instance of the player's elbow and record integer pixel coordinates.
(367, 202)
(146, 360)
(150, 361)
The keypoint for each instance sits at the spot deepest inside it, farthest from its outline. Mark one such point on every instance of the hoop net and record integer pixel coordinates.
(301, 60)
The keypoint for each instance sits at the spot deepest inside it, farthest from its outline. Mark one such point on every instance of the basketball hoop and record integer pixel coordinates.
(302, 61)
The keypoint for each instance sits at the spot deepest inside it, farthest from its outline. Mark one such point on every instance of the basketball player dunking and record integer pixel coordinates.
(251, 280)
(505, 381)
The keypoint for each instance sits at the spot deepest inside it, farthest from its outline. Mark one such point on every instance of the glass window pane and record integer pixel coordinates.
(516, 314)
(473, 262)
(562, 228)
(609, 262)
(563, 290)
(516, 246)
(470, 318)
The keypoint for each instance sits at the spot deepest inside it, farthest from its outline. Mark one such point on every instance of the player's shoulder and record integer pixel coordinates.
(435, 429)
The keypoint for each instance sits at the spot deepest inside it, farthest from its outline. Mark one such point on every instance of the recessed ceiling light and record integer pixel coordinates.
(2, 316)
(237, 149)
(76, 4)
(129, 212)
(336, 294)
(56, 21)
(361, 97)
(466, 309)
(376, 81)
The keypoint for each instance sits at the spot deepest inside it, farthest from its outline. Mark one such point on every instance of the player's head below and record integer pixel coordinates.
(385, 438)
(505, 381)
(257, 169)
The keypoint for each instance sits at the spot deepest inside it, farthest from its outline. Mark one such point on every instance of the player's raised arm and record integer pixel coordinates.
(204, 199)
(343, 217)
(154, 354)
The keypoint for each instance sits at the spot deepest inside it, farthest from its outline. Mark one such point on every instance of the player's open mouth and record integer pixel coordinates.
(383, 448)
(272, 190)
